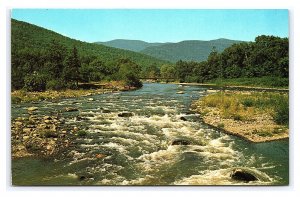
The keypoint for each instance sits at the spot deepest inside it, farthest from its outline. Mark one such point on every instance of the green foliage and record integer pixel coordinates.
(248, 102)
(266, 81)
(56, 85)
(71, 69)
(35, 82)
(167, 71)
(129, 72)
(281, 115)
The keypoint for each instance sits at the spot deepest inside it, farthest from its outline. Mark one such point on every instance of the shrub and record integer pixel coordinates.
(248, 102)
(35, 82)
(55, 85)
(281, 115)
(15, 99)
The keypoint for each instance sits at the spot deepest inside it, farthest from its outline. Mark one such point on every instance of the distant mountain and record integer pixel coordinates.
(132, 45)
(189, 50)
(28, 36)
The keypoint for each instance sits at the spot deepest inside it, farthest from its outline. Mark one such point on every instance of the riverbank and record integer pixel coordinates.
(86, 89)
(218, 86)
(40, 136)
(254, 116)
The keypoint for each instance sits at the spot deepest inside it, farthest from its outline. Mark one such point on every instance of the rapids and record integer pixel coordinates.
(138, 150)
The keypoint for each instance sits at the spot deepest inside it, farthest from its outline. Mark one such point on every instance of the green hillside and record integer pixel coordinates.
(190, 50)
(42, 59)
(25, 35)
(132, 45)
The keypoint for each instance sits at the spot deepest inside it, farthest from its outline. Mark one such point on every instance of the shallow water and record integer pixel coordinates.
(137, 150)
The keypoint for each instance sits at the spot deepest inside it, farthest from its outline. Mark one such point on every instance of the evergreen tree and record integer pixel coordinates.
(71, 68)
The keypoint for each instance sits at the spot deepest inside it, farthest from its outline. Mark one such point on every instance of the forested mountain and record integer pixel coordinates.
(50, 56)
(132, 45)
(189, 50)
(25, 35)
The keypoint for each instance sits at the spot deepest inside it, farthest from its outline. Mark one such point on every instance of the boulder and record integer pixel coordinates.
(180, 142)
(27, 130)
(242, 175)
(90, 99)
(18, 123)
(25, 137)
(125, 114)
(183, 118)
(32, 108)
(47, 118)
(106, 111)
(180, 92)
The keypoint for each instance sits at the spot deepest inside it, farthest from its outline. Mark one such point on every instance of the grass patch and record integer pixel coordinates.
(265, 82)
(244, 106)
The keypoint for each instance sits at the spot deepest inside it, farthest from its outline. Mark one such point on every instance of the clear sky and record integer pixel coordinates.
(158, 25)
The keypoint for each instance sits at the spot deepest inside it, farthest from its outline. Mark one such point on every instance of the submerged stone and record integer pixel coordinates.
(106, 111)
(242, 175)
(183, 118)
(125, 114)
(180, 142)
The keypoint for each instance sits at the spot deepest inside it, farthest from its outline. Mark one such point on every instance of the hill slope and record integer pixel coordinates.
(132, 45)
(190, 50)
(25, 35)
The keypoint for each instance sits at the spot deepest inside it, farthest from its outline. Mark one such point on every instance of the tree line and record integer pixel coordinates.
(268, 56)
(57, 67)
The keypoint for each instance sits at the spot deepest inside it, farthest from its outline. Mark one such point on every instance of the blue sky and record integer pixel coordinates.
(158, 25)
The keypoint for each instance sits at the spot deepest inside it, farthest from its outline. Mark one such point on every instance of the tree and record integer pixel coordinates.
(55, 63)
(129, 72)
(167, 71)
(71, 68)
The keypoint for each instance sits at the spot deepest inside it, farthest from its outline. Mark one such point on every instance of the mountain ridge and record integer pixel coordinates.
(27, 35)
(187, 50)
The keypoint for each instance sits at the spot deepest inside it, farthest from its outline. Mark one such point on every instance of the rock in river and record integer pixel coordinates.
(70, 109)
(125, 114)
(242, 175)
(180, 142)
(32, 109)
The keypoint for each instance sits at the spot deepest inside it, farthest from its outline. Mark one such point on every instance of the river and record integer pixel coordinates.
(138, 150)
